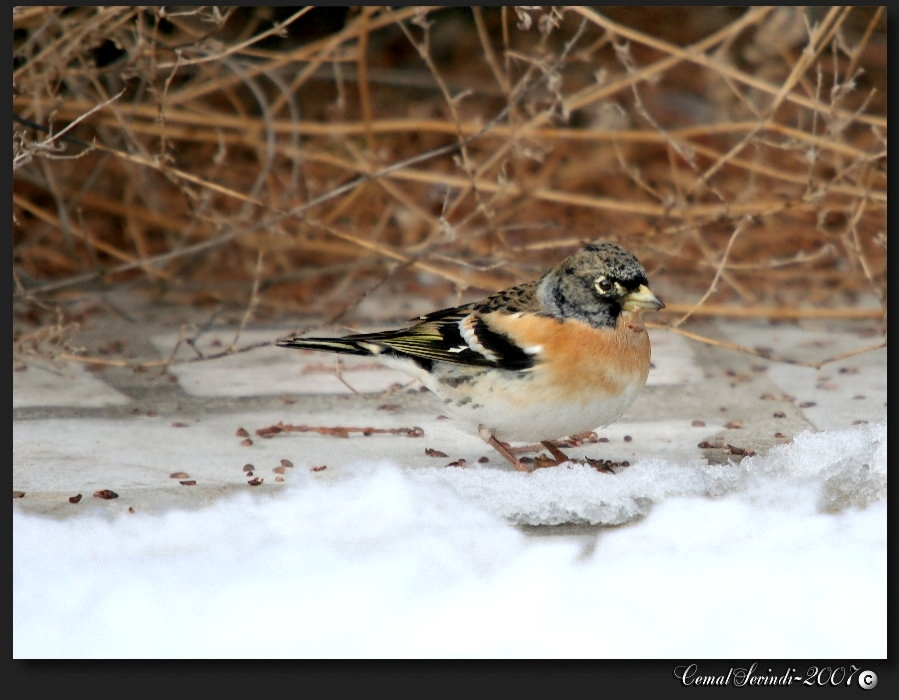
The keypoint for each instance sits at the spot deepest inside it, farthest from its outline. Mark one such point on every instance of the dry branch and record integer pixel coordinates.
(297, 159)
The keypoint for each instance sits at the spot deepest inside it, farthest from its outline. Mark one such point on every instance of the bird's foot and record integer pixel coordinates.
(541, 461)
(600, 465)
(558, 457)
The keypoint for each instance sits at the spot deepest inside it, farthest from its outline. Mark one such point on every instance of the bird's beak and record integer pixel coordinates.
(642, 299)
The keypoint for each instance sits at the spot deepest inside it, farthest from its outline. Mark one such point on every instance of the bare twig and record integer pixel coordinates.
(48, 146)
(775, 357)
(719, 271)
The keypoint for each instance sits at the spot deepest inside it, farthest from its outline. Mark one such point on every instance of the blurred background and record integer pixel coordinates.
(279, 165)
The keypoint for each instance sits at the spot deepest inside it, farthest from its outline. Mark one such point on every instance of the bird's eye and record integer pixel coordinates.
(603, 285)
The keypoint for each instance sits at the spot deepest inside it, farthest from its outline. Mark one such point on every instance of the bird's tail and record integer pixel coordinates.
(341, 345)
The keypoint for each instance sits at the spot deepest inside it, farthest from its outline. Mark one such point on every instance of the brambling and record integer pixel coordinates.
(555, 357)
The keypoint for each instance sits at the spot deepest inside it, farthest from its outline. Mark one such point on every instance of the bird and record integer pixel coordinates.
(558, 356)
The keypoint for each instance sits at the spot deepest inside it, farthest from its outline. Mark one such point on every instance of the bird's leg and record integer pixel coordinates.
(502, 448)
(559, 456)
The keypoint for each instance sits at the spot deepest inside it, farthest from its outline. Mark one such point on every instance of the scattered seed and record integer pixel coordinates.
(483, 460)
(280, 470)
(338, 431)
(734, 424)
(75, 498)
(698, 424)
(807, 404)
(179, 475)
(320, 468)
(240, 432)
(18, 494)
(628, 438)
(179, 425)
(255, 482)
(286, 463)
(779, 435)
(279, 478)
(105, 493)
(188, 482)
(247, 442)
(605, 465)
(780, 414)
(388, 406)
(457, 463)
(858, 396)
(434, 453)
(248, 467)
(716, 444)
(848, 370)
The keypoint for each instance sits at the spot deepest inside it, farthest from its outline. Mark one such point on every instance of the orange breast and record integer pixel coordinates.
(575, 356)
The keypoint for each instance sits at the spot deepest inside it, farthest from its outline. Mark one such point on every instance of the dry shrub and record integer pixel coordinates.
(305, 156)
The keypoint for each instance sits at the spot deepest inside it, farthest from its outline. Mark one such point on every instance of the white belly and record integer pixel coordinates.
(515, 416)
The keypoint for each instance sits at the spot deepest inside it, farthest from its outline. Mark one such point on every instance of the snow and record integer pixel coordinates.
(780, 555)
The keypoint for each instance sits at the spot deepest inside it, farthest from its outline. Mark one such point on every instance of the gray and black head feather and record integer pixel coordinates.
(573, 288)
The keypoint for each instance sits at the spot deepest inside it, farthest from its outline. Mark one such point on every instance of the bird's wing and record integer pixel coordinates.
(459, 335)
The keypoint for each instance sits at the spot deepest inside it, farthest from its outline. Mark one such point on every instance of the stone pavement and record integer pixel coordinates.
(183, 438)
